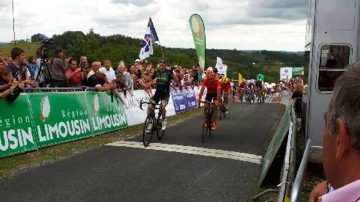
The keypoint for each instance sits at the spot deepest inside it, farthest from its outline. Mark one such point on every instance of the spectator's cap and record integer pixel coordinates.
(137, 60)
(210, 69)
(102, 70)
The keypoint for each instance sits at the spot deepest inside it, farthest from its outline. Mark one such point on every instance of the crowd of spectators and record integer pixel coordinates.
(60, 71)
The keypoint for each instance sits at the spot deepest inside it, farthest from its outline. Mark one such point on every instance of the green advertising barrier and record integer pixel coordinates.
(274, 145)
(39, 120)
(16, 125)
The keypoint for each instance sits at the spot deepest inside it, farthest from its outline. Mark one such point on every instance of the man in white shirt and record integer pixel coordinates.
(110, 73)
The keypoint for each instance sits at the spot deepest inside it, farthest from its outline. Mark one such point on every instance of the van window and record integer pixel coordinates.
(333, 61)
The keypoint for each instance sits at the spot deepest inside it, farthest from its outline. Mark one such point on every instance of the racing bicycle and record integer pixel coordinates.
(206, 127)
(152, 124)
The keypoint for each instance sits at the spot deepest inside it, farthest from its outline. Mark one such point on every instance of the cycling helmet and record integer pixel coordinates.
(224, 79)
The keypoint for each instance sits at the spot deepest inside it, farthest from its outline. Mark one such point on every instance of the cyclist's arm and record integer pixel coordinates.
(201, 92)
(218, 91)
(149, 83)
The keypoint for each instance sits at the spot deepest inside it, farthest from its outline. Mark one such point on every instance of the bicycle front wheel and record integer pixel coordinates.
(148, 130)
(159, 132)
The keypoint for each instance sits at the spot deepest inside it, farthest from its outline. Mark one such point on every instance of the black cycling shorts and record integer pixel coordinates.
(159, 97)
(211, 96)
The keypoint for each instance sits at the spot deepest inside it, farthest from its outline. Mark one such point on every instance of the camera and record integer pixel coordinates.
(84, 66)
(44, 40)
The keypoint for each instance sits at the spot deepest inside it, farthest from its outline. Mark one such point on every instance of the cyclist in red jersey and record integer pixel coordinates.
(213, 93)
(242, 90)
(225, 89)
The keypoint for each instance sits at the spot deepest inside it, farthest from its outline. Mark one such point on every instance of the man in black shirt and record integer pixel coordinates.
(98, 79)
(162, 78)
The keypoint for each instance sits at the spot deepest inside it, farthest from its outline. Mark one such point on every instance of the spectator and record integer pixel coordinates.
(74, 75)
(15, 67)
(42, 70)
(97, 79)
(84, 64)
(341, 141)
(18, 67)
(110, 73)
(297, 96)
(127, 77)
(32, 67)
(9, 88)
(58, 69)
(2, 64)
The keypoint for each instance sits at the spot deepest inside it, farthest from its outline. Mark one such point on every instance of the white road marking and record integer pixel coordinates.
(191, 150)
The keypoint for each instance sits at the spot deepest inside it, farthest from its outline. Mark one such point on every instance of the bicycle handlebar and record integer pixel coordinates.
(144, 102)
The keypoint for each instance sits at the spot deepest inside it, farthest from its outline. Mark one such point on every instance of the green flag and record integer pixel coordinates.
(260, 77)
(198, 32)
(297, 71)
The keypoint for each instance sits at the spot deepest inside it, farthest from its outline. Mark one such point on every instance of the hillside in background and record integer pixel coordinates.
(119, 47)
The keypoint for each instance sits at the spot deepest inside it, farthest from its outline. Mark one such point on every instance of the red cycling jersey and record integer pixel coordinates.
(242, 85)
(212, 86)
(225, 87)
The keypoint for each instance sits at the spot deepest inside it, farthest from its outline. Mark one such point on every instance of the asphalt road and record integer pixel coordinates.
(117, 173)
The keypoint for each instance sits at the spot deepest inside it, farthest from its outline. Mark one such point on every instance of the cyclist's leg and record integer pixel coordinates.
(226, 100)
(208, 99)
(153, 101)
(214, 114)
(164, 102)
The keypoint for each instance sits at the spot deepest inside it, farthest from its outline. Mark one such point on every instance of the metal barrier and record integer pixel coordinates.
(55, 89)
(299, 180)
(288, 170)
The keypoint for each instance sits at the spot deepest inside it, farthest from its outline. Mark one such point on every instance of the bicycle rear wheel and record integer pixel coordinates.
(220, 112)
(204, 135)
(148, 130)
(223, 111)
(159, 132)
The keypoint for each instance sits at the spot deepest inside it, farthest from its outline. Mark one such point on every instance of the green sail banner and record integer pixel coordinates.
(39, 120)
(198, 32)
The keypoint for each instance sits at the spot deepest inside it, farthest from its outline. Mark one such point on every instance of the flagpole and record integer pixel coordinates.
(162, 53)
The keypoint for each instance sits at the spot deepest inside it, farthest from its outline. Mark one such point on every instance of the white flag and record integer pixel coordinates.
(222, 68)
(146, 45)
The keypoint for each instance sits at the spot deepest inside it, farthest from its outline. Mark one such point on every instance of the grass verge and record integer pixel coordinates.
(14, 164)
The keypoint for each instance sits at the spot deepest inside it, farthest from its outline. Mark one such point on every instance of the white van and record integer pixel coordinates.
(333, 41)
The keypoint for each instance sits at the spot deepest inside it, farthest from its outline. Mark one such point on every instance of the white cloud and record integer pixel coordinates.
(240, 24)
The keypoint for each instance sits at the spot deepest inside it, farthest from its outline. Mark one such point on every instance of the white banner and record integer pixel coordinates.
(137, 116)
(222, 68)
(285, 73)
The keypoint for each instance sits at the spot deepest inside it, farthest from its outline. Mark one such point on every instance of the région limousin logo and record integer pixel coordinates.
(45, 108)
(96, 104)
